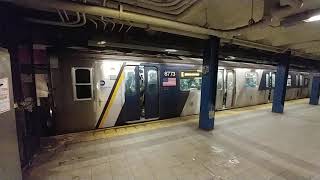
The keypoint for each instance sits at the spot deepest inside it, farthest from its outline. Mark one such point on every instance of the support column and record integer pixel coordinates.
(281, 84)
(209, 84)
(315, 91)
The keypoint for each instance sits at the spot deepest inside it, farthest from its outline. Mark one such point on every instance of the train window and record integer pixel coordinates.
(220, 80)
(251, 79)
(152, 81)
(267, 80)
(130, 79)
(273, 83)
(289, 81)
(301, 80)
(82, 83)
(297, 80)
(187, 84)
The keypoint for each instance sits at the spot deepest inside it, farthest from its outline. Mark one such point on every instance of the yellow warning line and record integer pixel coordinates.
(113, 97)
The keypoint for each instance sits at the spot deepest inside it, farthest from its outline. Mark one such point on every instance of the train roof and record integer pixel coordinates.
(163, 59)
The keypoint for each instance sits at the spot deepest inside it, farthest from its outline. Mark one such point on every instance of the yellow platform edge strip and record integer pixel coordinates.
(151, 125)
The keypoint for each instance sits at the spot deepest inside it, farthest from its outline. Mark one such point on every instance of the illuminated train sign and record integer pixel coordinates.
(190, 74)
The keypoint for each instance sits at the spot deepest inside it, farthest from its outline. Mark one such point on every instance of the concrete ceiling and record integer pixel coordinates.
(230, 14)
(299, 36)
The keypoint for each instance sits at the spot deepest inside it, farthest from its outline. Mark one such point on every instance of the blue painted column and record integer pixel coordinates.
(281, 84)
(209, 84)
(315, 91)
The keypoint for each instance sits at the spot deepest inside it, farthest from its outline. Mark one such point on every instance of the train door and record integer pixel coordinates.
(230, 87)
(151, 93)
(298, 86)
(132, 94)
(272, 84)
(220, 90)
(268, 85)
(301, 84)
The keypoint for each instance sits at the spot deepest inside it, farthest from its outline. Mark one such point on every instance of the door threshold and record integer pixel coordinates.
(141, 120)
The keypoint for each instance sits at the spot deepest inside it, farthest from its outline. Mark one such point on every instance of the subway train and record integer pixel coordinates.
(113, 90)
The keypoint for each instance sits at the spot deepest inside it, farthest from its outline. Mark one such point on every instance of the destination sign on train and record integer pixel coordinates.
(184, 74)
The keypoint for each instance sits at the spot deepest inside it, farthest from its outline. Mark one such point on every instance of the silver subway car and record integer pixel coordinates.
(93, 92)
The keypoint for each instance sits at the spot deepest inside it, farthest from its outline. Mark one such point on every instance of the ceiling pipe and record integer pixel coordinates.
(66, 15)
(54, 23)
(139, 18)
(170, 7)
(172, 26)
(118, 14)
(60, 15)
(78, 19)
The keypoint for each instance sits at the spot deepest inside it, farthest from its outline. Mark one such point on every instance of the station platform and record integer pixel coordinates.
(249, 143)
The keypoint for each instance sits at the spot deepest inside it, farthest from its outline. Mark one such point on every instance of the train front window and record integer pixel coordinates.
(289, 81)
(82, 83)
(251, 79)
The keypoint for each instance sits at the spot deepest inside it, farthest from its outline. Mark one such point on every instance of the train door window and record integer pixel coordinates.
(130, 80)
(267, 80)
(220, 80)
(251, 79)
(289, 81)
(306, 82)
(301, 80)
(273, 79)
(297, 80)
(230, 80)
(152, 81)
(82, 83)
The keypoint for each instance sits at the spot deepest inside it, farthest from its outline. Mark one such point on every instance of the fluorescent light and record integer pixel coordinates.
(230, 58)
(101, 42)
(171, 50)
(313, 18)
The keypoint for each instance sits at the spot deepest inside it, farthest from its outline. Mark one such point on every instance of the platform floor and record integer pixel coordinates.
(247, 144)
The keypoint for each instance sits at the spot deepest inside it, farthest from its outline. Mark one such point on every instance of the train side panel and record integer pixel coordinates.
(247, 88)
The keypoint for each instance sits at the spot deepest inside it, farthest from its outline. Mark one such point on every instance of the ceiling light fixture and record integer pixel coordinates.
(313, 18)
(101, 42)
(230, 58)
(171, 50)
